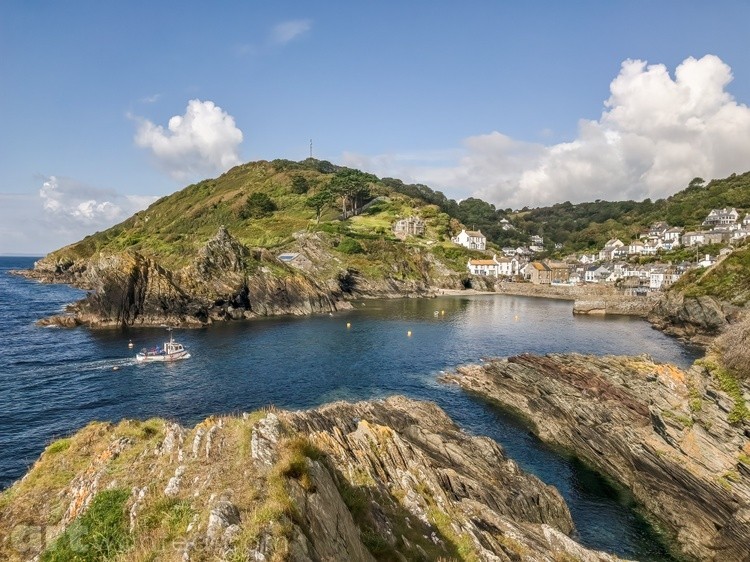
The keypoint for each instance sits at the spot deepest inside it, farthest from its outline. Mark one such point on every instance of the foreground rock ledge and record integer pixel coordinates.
(662, 432)
(392, 479)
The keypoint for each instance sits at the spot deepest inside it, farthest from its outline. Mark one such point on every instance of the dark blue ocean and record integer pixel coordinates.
(53, 381)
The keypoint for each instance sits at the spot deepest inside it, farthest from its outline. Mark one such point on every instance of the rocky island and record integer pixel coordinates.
(679, 440)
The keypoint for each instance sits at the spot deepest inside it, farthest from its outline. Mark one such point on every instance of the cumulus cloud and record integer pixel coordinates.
(203, 141)
(63, 211)
(68, 202)
(287, 31)
(655, 134)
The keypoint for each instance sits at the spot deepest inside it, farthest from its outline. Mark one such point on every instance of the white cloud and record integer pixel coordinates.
(203, 141)
(655, 134)
(70, 203)
(287, 31)
(62, 212)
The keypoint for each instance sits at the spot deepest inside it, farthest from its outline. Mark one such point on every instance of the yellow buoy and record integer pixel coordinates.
(130, 344)
(408, 333)
(115, 368)
(515, 318)
(348, 324)
(442, 312)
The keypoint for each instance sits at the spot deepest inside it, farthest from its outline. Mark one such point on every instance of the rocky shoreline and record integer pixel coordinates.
(385, 479)
(666, 434)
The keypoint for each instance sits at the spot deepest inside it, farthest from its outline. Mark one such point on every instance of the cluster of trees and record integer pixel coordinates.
(472, 212)
(350, 187)
(575, 227)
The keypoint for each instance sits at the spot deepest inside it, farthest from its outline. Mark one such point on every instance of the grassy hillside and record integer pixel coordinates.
(265, 204)
(728, 280)
(589, 225)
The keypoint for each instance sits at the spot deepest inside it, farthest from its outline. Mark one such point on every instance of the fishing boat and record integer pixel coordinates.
(172, 351)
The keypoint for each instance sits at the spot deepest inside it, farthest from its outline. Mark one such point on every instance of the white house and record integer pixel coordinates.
(586, 259)
(483, 267)
(472, 239)
(707, 261)
(673, 235)
(650, 248)
(721, 216)
(496, 267)
(508, 266)
(612, 249)
(656, 278)
(635, 247)
(658, 229)
(662, 277)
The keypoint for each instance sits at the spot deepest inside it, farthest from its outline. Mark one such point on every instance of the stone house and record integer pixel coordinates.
(716, 237)
(559, 272)
(538, 273)
(410, 226)
(693, 238)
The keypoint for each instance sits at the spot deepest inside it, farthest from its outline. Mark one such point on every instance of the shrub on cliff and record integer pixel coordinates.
(733, 346)
(257, 206)
(349, 246)
(100, 534)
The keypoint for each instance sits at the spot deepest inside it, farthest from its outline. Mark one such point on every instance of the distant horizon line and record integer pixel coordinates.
(12, 255)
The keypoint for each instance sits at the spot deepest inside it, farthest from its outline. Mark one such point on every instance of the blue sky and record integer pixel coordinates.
(521, 103)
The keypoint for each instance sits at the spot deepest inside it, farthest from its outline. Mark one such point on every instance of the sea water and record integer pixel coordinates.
(53, 381)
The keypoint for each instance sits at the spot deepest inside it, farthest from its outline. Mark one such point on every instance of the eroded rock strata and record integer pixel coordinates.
(680, 443)
(225, 281)
(694, 319)
(392, 479)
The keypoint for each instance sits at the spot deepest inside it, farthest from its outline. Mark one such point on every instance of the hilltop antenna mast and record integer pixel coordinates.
(310, 148)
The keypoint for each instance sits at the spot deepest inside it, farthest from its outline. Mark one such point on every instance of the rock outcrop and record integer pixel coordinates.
(392, 479)
(694, 319)
(226, 281)
(669, 435)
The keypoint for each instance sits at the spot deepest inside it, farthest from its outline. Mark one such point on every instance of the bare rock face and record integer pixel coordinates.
(662, 432)
(226, 281)
(695, 319)
(390, 479)
(129, 289)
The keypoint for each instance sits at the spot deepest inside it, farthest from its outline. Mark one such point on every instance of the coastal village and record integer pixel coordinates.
(618, 263)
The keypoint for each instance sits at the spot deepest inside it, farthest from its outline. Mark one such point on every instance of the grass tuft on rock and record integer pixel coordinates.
(99, 534)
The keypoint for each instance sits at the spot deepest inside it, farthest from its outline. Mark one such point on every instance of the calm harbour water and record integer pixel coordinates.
(53, 381)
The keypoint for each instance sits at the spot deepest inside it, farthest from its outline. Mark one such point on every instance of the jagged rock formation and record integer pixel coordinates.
(679, 442)
(391, 480)
(695, 319)
(226, 281)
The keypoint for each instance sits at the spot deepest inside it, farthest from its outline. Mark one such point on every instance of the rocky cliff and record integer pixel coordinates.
(680, 440)
(697, 319)
(225, 281)
(381, 480)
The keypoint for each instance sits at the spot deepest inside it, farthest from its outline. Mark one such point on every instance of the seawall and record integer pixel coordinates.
(587, 299)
